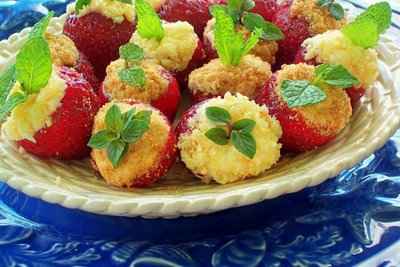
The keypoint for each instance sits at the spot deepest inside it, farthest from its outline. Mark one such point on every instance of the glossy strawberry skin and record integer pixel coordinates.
(183, 124)
(355, 93)
(72, 122)
(196, 12)
(98, 37)
(84, 67)
(295, 30)
(266, 8)
(298, 136)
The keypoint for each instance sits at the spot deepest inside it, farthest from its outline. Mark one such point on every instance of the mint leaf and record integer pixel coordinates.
(363, 33)
(101, 140)
(218, 135)
(324, 3)
(217, 114)
(33, 65)
(80, 4)
(149, 24)
(381, 13)
(245, 143)
(335, 75)
(40, 28)
(137, 127)
(128, 116)
(13, 101)
(251, 42)
(131, 52)
(125, 1)
(116, 151)
(337, 11)
(301, 93)
(134, 76)
(270, 31)
(235, 8)
(113, 119)
(7, 81)
(244, 125)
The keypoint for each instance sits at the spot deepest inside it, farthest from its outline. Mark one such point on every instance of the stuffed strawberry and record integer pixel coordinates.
(228, 139)
(132, 77)
(301, 19)
(133, 144)
(174, 45)
(99, 28)
(49, 110)
(352, 47)
(246, 22)
(233, 71)
(309, 103)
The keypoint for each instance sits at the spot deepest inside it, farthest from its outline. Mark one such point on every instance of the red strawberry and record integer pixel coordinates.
(147, 159)
(266, 8)
(98, 37)
(308, 127)
(86, 68)
(70, 130)
(196, 12)
(165, 98)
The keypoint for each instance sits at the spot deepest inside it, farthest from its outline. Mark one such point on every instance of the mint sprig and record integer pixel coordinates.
(299, 93)
(40, 28)
(230, 45)
(133, 74)
(149, 25)
(335, 9)
(122, 130)
(365, 30)
(239, 132)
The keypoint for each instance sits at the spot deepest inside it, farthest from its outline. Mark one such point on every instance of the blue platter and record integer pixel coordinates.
(351, 219)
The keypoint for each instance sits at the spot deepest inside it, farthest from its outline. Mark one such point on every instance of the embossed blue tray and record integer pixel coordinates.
(352, 219)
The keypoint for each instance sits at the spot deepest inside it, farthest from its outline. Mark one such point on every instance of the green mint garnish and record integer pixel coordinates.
(125, 1)
(11, 102)
(40, 28)
(149, 25)
(133, 75)
(299, 93)
(122, 129)
(230, 44)
(7, 81)
(80, 4)
(270, 31)
(364, 31)
(335, 9)
(239, 133)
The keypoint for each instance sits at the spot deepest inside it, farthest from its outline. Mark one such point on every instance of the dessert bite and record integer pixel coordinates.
(99, 28)
(133, 144)
(48, 110)
(301, 19)
(245, 22)
(233, 71)
(228, 139)
(133, 77)
(353, 47)
(309, 103)
(174, 45)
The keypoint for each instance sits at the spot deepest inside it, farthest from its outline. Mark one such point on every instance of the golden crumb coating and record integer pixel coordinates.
(266, 50)
(142, 156)
(63, 50)
(225, 164)
(319, 18)
(155, 86)
(329, 116)
(215, 78)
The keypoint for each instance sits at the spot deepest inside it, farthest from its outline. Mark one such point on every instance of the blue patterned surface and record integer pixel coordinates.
(347, 220)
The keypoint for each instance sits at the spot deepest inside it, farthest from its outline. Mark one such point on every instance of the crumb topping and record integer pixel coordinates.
(142, 157)
(35, 114)
(63, 50)
(215, 78)
(332, 47)
(330, 116)
(175, 51)
(155, 86)
(115, 10)
(319, 19)
(225, 164)
(266, 50)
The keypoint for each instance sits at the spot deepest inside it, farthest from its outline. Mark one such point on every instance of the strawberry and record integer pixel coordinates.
(98, 37)
(69, 132)
(145, 150)
(266, 8)
(193, 11)
(86, 68)
(306, 124)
